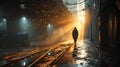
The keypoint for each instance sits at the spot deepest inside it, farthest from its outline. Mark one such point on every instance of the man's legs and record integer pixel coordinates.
(75, 40)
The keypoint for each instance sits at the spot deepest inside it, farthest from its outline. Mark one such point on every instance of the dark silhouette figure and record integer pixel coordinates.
(75, 35)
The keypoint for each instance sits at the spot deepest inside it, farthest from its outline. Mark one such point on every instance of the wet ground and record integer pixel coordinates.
(85, 55)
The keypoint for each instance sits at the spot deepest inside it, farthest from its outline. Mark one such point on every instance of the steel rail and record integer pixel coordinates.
(43, 62)
(19, 59)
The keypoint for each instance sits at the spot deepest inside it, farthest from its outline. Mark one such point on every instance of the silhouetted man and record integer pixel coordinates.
(75, 35)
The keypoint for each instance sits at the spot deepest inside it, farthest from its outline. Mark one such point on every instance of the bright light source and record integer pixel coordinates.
(49, 53)
(22, 6)
(4, 20)
(24, 63)
(24, 25)
(49, 25)
(23, 18)
(3, 24)
(24, 21)
(50, 29)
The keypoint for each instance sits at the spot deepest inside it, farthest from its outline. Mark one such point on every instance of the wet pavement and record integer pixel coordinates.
(84, 55)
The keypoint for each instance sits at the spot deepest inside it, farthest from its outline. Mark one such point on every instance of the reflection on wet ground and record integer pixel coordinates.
(85, 54)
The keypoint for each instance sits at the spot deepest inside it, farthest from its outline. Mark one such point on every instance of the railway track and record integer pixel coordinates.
(16, 54)
(39, 58)
(48, 60)
(20, 56)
